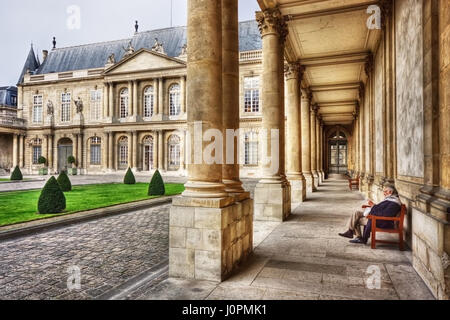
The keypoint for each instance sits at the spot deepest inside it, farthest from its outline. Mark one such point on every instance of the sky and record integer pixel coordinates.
(29, 21)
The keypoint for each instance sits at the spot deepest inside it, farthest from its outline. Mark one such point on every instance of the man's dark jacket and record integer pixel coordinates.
(383, 209)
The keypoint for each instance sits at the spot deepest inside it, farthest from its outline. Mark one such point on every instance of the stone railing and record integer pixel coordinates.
(79, 74)
(250, 55)
(12, 122)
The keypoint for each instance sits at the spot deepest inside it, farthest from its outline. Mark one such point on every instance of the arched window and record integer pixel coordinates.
(251, 148)
(36, 145)
(149, 102)
(174, 100)
(123, 153)
(174, 152)
(148, 153)
(124, 103)
(96, 151)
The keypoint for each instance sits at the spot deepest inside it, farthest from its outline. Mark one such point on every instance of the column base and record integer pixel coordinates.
(272, 201)
(298, 189)
(316, 179)
(208, 243)
(310, 186)
(321, 176)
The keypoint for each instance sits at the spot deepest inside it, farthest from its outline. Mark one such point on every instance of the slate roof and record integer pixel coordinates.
(30, 64)
(6, 94)
(91, 56)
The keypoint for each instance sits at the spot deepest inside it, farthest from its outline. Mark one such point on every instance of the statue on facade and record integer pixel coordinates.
(184, 50)
(129, 51)
(50, 108)
(158, 47)
(111, 59)
(79, 105)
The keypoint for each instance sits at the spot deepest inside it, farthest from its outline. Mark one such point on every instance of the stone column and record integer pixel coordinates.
(183, 94)
(160, 150)
(55, 155)
(161, 96)
(230, 85)
(130, 98)
(209, 233)
(272, 193)
(75, 149)
(50, 152)
(106, 100)
(21, 155)
(15, 150)
(306, 140)
(111, 151)
(135, 100)
(313, 116)
(80, 152)
(322, 151)
(112, 107)
(135, 151)
(297, 180)
(319, 150)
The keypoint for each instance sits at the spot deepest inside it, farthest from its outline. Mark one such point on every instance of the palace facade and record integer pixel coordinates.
(121, 104)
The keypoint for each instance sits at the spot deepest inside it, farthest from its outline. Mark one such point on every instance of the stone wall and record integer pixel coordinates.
(409, 87)
(6, 147)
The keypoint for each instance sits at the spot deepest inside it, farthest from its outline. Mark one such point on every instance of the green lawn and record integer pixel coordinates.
(21, 206)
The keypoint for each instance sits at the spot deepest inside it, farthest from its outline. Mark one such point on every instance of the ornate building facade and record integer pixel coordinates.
(122, 104)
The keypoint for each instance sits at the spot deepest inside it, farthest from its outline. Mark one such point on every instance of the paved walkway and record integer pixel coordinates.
(305, 259)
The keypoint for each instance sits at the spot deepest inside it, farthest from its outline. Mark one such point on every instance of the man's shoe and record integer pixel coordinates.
(348, 234)
(358, 241)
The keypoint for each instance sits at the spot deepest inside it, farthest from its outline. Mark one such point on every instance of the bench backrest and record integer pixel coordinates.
(402, 216)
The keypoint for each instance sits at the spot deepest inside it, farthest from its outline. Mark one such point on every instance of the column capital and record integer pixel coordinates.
(314, 109)
(293, 70)
(271, 21)
(361, 91)
(386, 11)
(306, 94)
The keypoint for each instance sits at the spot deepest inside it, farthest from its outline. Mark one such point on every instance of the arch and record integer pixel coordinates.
(337, 149)
(174, 152)
(124, 103)
(122, 152)
(65, 150)
(148, 148)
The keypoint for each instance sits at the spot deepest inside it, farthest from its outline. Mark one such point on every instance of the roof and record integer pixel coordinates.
(92, 56)
(31, 64)
(6, 94)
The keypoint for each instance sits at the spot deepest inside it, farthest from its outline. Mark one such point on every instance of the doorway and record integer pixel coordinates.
(338, 153)
(65, 150)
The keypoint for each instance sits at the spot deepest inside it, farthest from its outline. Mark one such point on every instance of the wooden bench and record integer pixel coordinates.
(398, 228)
(352, 183)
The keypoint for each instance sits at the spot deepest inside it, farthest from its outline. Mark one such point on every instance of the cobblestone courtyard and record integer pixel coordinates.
(108, 251)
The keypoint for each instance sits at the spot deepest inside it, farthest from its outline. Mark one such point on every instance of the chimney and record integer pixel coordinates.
(44, 55)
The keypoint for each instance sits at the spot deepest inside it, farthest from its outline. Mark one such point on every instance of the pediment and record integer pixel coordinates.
(144, 60)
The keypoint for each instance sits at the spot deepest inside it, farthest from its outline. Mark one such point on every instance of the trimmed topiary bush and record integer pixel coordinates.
(42, 160)
(129, 177)
(64, 182)
(52, 199)
(16, 175)
(156, 187)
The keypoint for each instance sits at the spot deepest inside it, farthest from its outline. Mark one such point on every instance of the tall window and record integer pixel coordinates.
(123, 153)
(37, 150)
(65, 107)
(251, 94)
(251, 148)
(148, 153)
(174, 152)
(96, 151)
(124, 103)
(174, 100)
(96, 107)
(37, 109)
(149, 102)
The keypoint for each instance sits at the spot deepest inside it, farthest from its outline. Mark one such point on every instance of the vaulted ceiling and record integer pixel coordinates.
(330, 38)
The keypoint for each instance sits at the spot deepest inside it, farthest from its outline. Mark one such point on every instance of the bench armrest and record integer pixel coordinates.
(383, 218)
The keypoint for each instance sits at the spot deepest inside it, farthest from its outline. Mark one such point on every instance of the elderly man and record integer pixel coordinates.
(389, 207)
